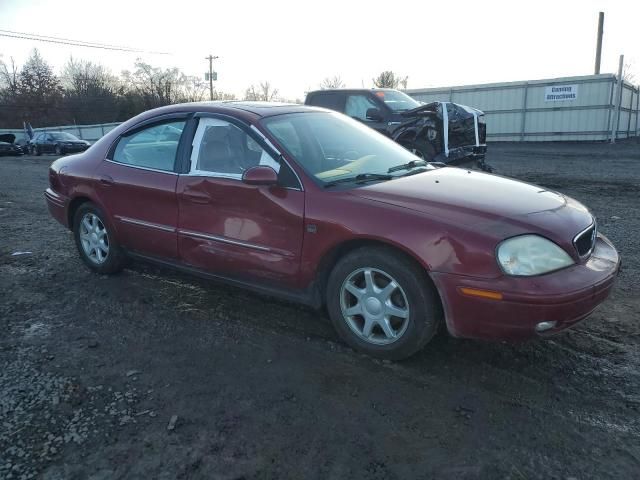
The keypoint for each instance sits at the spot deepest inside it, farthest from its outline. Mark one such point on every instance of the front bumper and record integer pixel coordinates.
(469, 156)
(564, 297)
(11, 151)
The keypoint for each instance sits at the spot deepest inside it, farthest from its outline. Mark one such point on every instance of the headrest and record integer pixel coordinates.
(215, 134)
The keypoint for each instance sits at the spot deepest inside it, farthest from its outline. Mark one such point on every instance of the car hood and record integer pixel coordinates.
(428, 109)
(498, 206)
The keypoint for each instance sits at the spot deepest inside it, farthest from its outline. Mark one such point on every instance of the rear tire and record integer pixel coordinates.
(421, 149)
(96, 241)
(59, 151)
(382, 303)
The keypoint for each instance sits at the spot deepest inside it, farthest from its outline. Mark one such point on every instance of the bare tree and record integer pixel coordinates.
(90, 91)
(9, 75)
(195, 89)
(156, 87)
(628, 75)
(388, 79)
(218, 95)
(332, 82)
(265, 92)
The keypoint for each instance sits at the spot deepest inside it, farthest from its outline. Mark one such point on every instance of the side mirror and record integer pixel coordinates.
(374, 114)
(260, 175)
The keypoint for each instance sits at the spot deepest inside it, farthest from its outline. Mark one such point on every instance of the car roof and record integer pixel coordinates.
(353, 90)
(259, 109)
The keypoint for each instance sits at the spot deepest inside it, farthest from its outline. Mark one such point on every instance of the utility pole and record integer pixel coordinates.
(599, 42)
(211, 58)
(616, 118)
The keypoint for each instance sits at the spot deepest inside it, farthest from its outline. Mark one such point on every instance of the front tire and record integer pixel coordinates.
(382, 303)
(96, 241)
(36, 151)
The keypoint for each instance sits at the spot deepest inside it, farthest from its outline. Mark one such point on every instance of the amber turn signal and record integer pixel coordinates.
(474, 292)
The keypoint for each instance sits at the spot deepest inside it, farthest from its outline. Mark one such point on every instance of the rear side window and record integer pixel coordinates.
(153, 147)
(331, 100)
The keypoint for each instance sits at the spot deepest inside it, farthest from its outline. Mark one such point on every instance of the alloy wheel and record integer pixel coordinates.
(94, 238)
(374, 306)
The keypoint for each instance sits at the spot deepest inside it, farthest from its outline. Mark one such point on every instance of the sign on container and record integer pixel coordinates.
(560, 93)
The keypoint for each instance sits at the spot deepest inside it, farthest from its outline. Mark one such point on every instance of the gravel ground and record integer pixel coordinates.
(152, 374)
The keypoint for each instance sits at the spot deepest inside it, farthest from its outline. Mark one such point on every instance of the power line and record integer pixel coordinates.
(67, 39)
(76, 43)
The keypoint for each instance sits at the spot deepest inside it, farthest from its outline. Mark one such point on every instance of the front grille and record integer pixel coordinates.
(482, 130)
(585, 240)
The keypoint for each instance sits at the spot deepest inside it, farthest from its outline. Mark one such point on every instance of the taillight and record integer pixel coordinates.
(54, 180)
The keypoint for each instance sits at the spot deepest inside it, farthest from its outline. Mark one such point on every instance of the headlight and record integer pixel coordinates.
(531, 255)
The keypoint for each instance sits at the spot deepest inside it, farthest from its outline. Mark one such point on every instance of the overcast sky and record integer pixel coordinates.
(295, 44)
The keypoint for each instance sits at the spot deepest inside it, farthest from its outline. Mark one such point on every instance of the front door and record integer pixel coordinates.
(138, 184)
(228, 227)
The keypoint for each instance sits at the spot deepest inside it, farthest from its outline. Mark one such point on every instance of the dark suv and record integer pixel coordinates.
(439, 131)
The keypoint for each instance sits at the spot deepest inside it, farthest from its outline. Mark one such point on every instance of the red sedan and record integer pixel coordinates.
(312, 206)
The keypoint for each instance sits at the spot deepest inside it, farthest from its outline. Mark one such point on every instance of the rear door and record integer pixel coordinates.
(137, 185)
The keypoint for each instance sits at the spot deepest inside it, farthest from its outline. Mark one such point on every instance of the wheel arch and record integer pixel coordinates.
(75, 203)
(333, 255)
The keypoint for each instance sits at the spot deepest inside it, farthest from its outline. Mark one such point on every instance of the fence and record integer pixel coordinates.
(569, 108)
(90, 133)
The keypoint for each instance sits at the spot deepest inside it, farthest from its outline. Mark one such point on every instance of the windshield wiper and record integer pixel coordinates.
(409, 165)
(360, 178)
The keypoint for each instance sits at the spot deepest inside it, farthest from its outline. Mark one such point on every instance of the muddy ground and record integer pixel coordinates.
(93, 368)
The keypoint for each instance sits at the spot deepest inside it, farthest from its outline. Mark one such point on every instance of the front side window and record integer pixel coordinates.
(357, 106)
(330, 146)
(223, 149)
(153, 147)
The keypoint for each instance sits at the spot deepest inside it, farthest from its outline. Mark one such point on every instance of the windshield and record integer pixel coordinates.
(397, 101)
(64, 136)
(331, 146)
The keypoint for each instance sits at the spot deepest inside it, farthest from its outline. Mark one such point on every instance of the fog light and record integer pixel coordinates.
(544, 326)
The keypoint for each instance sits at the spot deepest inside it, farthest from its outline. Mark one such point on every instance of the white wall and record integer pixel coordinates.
(517, 111)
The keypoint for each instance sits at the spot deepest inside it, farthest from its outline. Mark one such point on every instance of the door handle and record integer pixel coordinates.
(106, 180)
(197, 197)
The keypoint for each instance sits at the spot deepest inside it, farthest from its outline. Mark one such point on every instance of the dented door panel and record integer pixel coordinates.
(239, 230)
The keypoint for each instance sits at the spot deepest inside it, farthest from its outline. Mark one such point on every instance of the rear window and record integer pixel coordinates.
(331, 100)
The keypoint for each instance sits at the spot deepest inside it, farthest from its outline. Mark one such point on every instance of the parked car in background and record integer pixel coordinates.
(8, 145)
(59, 143)
(312, 206)
(438, 132)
